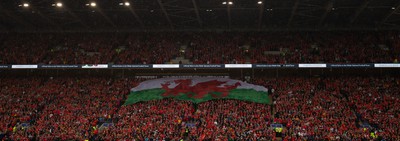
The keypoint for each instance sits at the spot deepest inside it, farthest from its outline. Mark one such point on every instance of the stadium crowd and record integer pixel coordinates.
(200, 48)
(378, 102)
(22, 101)
(151, 120)
(60, 108)
(79, 106)
(327, 48)
(308, 108)
(314, 109)
(233, 120)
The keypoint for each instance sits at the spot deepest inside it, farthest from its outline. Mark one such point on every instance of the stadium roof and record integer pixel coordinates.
(197, 14)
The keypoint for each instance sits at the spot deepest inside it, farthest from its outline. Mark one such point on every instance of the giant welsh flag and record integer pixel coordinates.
(198, 89)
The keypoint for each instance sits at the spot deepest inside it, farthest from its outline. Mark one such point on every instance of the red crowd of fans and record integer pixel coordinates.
(157, 120)
(216, 49)
(378, 101)
(328, 108)
(60, 108)
(199, 48)
(233, 119)
(149, 49)
(82, 49)
(24, 49)
(327, 48)
(308, 108)
(78, 106)
(314, 109)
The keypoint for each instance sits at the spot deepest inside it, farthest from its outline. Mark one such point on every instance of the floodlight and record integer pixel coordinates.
(59, 4)
(25, 5)
(93, 4)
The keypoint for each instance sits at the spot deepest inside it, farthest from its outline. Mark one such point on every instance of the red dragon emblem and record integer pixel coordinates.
(199, 90)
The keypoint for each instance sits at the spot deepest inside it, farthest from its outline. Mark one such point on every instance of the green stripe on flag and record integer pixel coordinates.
(239, 94)
(145, 95)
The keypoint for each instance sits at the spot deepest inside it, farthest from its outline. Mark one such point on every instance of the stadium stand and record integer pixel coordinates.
(200, 48)
(199, 70)
(88, 108)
